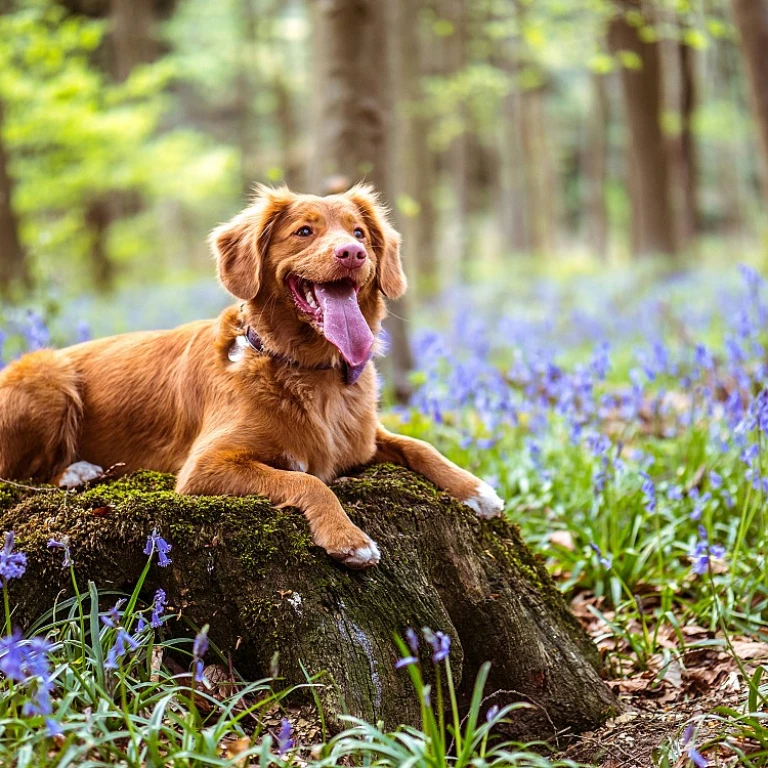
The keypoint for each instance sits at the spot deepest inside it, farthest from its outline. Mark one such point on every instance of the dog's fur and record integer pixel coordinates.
(230, 419)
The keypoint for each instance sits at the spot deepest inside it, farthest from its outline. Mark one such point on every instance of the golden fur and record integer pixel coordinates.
(269, 423)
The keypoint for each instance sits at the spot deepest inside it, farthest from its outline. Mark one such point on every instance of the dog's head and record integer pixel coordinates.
(312, 271)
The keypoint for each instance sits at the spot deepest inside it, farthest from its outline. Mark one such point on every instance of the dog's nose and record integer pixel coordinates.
(351, 255)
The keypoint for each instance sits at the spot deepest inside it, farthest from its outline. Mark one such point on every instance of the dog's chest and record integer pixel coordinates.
(330, 432)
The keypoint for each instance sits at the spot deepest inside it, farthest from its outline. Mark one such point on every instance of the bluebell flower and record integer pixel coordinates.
(64, 544)
(492, 713)
(605, 560)
(285, 741)
(12, 656)
(123, 643)
(156, 543)
(413, 640)
(648, 489)
(715, 480)
(12, 564)
(200, 646)
(406, 661)
(440, 643)
(112, 617)
(158, 606)
(703, 551)
(693, 754)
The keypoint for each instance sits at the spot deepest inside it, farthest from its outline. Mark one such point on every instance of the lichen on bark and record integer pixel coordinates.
(252, 572)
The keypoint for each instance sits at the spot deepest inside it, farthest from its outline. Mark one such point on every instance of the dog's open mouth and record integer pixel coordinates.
(333, 310)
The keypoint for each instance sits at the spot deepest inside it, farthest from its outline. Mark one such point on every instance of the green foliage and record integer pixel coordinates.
(75, 138)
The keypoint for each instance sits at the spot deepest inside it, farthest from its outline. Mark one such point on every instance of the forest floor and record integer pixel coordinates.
(665, 692)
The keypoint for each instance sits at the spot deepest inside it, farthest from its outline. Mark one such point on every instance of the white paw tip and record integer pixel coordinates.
(486, 503)
(79, 473)
(363, 557)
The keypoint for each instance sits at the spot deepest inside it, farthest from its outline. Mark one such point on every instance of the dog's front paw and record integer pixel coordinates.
(485, 502)
(357, 552)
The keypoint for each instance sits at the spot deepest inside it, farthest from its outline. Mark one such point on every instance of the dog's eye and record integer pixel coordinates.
(359, 234)
(304, 231)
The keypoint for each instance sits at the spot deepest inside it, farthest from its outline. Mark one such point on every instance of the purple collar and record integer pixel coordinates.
(349, 373)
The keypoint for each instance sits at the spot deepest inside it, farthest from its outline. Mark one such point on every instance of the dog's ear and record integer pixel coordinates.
(240, 246)
(386, 241)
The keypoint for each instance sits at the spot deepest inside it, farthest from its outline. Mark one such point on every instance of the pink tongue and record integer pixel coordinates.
(343, 322)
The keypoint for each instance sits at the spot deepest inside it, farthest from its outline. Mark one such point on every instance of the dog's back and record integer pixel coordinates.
(125, 385)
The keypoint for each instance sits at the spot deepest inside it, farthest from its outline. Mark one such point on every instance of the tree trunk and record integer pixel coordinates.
(688, 160)
(751, 17)
(353, 128)
(132, 39)
(13, 263)
(251, 572)
(596, 163)
(416, 161)
(653, 221)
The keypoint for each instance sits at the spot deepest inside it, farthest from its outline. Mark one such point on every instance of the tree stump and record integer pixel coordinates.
(252, 572)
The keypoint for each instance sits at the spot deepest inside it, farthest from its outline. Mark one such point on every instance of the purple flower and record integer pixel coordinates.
(605, 560)
(199, 671)
(158, 606)
(693, 754)
(440, 643)
(200, 646)
(156, 543)
(406, 662)
(413, 640)
(12, 657)
(64, 544)
(649, 492)
(703, 551)
(112, 617)
(123, 643)
(715, 480)
(284, 738)
(12, 564)
(492, 713)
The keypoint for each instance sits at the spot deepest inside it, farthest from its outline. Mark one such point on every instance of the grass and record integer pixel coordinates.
(626, 429)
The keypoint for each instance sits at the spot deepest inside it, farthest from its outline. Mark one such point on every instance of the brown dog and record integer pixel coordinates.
(276, 397)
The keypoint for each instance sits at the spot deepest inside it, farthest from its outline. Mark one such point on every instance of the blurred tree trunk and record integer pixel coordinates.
(13, 261)
(246, 93)
(132, 35)
(454, 63)
(416, 160)
(354, 105)
(98, 216)
(511, 201)
(751, 17)
(653, 220)
(597, 168)
(288, 130)
(687, 158)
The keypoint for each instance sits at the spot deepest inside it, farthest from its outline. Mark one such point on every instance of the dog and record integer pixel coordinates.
(276, 397)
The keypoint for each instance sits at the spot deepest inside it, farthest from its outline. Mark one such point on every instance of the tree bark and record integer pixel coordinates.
(751, 17)
(596, 163)
(416, 162)
(13, 261)
(251, 572)
(653, 220)
(132, 35)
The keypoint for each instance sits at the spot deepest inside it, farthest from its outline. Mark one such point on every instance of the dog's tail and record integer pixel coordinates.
(41, 410)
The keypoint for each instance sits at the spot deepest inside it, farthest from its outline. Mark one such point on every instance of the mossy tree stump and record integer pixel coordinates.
(252, 573)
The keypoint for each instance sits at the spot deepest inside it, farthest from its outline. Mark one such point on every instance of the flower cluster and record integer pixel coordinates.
(12, 564)
(156, 543)
(26, 662)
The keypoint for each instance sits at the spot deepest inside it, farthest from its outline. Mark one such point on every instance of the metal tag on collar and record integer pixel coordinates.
(253, 340)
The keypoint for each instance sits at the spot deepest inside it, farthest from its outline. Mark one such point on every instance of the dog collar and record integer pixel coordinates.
(349, 373)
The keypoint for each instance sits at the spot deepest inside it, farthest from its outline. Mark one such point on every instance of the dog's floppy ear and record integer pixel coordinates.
(386, 240)
(241, 244)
